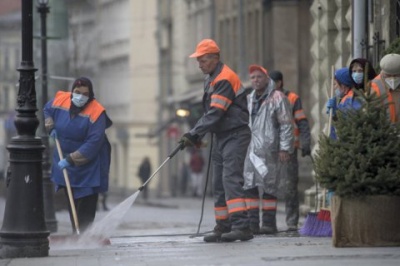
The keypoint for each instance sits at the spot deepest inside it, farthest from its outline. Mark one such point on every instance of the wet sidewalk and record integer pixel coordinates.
(162, 232)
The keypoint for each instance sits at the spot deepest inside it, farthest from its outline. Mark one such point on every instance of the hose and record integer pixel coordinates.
(204, 192)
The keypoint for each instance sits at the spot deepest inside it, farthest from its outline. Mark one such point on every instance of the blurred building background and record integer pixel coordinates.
(136, 53)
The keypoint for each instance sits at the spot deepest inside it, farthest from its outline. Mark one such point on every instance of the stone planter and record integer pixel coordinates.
(372, 221)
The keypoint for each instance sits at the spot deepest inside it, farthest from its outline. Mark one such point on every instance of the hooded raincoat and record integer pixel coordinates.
(272, 131)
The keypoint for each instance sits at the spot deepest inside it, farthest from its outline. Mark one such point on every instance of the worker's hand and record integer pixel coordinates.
(63, 164)
(331, 105)
(53, 133)
(189, 140)
(305, 151)
(284, 156)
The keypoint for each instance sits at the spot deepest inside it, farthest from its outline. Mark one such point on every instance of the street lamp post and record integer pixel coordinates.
(48, 189)
(24, 232)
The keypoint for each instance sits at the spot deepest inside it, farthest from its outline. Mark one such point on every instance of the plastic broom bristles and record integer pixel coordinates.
(309, 224)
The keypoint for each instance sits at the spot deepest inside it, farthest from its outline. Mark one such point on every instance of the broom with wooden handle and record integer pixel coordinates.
(312, 225)
(69, 191)
(324, 227)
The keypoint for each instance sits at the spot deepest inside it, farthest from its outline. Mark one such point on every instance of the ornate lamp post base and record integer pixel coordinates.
(16, 246)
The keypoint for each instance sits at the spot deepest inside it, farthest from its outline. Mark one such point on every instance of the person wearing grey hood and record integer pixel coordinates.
(272, 142)
(388, 82)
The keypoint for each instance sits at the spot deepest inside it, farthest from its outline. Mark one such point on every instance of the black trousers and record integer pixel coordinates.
(85, 210)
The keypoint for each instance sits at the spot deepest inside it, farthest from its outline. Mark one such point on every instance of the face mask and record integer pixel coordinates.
(393, 82)
(358, 77)
(339, 93)
(79, 99)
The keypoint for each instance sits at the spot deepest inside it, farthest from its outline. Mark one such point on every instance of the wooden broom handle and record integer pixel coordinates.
(331, 96)
(69, 191)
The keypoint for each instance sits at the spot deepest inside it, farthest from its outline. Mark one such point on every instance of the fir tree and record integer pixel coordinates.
(365, 159)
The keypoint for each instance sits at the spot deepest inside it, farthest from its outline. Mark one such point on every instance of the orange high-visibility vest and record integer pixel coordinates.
(297, 115)
(378, 86)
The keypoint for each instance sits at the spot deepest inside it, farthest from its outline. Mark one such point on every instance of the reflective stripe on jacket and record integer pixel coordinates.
(224, 103)
(301, 127)
(379, 87)
(348, 102)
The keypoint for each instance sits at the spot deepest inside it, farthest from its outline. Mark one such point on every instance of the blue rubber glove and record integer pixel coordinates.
(331, 104)
(53, 133)
(63, 164)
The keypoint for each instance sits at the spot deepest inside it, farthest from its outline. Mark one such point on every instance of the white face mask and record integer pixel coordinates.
(79, 99)
(393, 82)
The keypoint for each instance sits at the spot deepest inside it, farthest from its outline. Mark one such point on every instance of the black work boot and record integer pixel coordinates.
(254, 217)
(269, 223)
(255, 228)
(268, 230)
(215, 236)
(236, 234)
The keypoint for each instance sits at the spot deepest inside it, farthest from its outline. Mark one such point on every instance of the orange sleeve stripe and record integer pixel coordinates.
(299, 114)
(220, 106)
(222, 98)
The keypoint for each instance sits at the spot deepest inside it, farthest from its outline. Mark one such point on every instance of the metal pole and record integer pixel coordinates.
(24, 232)
(241, 41)
(48, 189)
(359, 29)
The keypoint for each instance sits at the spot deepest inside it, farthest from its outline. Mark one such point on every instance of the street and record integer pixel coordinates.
(161, 232)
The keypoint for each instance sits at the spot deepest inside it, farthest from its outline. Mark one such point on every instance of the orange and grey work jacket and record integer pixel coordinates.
(301, 127)
(378, 86)
(224, 103)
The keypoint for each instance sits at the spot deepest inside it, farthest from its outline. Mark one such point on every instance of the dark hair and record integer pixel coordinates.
(276, 75)
(363, 62)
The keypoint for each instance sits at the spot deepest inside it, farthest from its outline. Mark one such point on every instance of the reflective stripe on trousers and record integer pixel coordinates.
(268, 206)
(229, 151)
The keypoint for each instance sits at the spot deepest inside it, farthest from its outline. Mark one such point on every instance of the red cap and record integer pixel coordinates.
(206, 46)
(253, 68)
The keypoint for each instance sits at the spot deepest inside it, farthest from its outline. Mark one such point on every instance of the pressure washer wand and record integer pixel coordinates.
(172, 154)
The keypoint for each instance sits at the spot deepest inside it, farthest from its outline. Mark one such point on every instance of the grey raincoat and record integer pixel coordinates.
(272, 131)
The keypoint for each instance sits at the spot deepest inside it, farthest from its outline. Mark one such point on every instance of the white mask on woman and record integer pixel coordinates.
(393, 82)
(79, 99)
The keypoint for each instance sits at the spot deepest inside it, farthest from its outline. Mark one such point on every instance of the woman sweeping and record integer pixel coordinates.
(79, 122)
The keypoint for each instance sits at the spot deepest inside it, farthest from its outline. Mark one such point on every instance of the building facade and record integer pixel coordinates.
(136, 52)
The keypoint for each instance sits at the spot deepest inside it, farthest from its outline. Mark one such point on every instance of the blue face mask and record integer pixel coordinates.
(79, 100)
(358, 77)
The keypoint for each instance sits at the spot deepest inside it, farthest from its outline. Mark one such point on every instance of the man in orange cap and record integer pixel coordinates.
(226, 117)
(271, 144)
